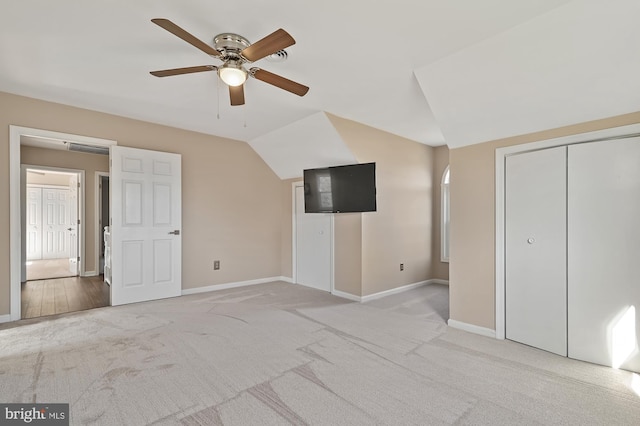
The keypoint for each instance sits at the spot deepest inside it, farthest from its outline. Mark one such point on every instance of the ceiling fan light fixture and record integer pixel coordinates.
(232, 74)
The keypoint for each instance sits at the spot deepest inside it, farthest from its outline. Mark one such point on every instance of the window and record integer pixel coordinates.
(444, 216)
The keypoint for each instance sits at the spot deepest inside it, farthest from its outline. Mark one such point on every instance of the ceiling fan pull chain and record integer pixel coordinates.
(218, 96)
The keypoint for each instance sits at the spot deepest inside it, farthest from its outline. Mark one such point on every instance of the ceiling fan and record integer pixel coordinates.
(235, 51)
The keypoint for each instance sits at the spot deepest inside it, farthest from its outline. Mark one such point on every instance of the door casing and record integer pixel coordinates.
(15, 198)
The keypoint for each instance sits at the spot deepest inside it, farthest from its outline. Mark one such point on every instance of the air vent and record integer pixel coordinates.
(279, 56)
(89, 149)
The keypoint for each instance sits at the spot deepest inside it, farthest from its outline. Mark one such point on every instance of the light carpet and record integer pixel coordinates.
(278, 353)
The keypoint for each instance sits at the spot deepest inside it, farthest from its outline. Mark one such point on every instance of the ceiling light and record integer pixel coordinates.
(232, 74)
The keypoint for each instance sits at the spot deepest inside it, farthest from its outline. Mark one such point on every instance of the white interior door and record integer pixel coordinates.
(535, 244)
(146, 206)
(73, 224)
(33, 219)
(604, 252)
(313, 246)
(55, 217)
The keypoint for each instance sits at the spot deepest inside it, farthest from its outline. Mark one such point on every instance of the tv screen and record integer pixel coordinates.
(340, 189)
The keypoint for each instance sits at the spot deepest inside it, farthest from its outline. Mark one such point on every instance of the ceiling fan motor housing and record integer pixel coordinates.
(230, 45)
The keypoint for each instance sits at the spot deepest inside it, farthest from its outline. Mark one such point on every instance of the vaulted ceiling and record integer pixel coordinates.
(433, 71)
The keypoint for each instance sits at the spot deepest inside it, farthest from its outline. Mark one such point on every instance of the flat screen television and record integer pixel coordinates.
(340, 189)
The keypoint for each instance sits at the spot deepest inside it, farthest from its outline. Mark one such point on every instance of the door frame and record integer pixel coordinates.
(15, 198)
(80, 234)
(294, 244)
(98, 214)
(629, 131)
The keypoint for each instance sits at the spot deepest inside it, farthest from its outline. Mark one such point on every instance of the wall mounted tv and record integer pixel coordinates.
(340, 189)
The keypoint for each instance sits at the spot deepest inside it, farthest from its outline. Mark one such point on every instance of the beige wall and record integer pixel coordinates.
(90, 163)
(440, 162)
(48, 178)
(286, 224)
(348, 265)
(472, 274)
(231, 198)
(400, 231)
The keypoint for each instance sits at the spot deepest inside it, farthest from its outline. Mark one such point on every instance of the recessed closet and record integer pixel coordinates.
(572, 250)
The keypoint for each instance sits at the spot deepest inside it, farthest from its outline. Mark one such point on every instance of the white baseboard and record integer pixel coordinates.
(225, 286)
(396, 290)
(5, 318)
(472, 328)
(89, 274)
(348, 296)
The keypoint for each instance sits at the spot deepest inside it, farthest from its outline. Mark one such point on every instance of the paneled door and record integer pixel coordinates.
(535, 242)
(33, 219)
(313, 246)
(55, 223)
(146, 240)
(604, 252)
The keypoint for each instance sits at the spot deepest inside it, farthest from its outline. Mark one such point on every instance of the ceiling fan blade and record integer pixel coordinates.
(236, 93)
(278, 81)
(277, 40)
(177, 31)
(187, 70)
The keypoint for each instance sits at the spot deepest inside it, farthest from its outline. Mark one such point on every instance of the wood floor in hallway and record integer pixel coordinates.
(61, 295)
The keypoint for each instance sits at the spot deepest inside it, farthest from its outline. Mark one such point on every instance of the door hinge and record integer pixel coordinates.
(78, 184)
(78, 258)
(78, 221)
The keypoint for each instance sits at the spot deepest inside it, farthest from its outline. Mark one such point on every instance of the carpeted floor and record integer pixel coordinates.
(279, 353)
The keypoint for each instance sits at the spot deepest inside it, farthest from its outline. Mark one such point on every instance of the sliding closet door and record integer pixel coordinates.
(604, 252)
(535, 244)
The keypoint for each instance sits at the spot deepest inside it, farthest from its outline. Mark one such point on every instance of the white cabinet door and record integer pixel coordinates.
(313, 246)
(33, 219)
(535, 212)
(146, 207)
(604, 252)
(55, 218)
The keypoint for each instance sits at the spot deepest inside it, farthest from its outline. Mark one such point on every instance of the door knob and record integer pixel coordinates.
(531, 240)
(69, 229)
(176, 232)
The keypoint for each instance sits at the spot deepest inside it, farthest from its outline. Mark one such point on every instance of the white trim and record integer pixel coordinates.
(445, 201)
(44, 185)
(402, 289)
(385, 293)
(236, 284)
(348, 296)
(501, 154)
(90, 274)
(15, 237)
(97, 195)
(5, 318)
(483, 331)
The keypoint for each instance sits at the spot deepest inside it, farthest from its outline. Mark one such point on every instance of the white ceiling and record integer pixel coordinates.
(433, 71)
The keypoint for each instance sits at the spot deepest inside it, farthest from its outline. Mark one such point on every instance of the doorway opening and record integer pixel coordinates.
(52, 245)
(53, 226)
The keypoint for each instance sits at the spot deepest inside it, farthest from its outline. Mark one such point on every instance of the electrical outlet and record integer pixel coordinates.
(402, 266)
(216, 265)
